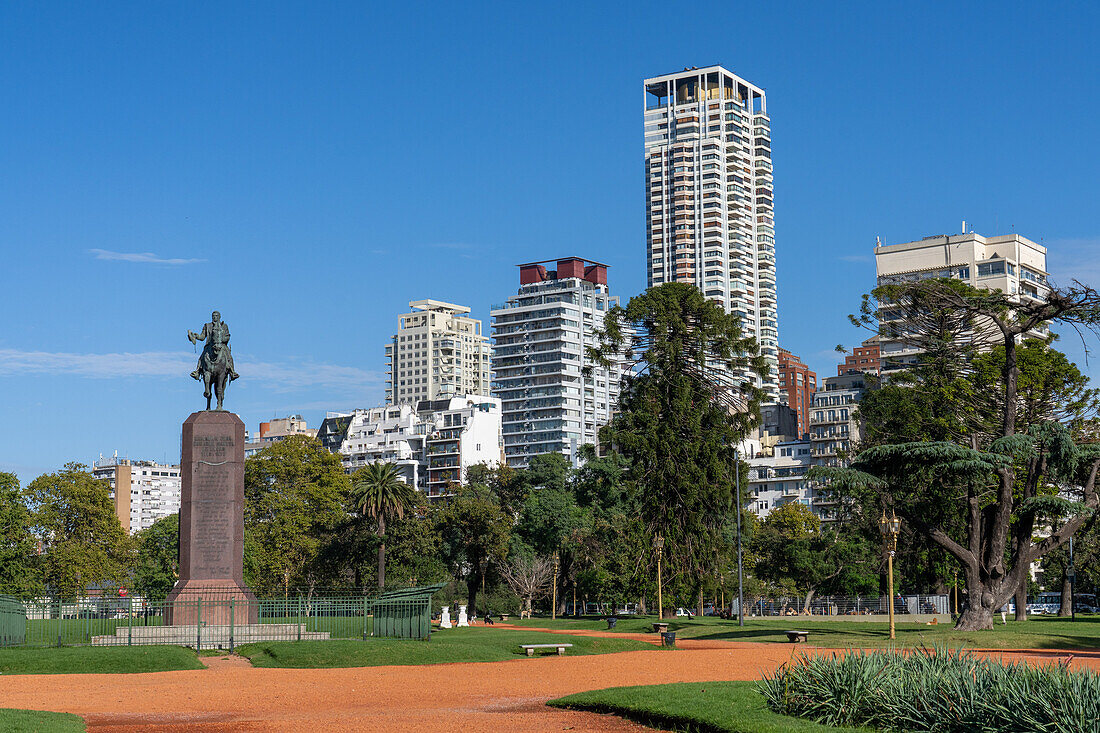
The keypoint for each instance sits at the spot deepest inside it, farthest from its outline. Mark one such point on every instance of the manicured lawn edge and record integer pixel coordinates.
(447, 647)
(97, 660)
(698, 707)
(38, 721)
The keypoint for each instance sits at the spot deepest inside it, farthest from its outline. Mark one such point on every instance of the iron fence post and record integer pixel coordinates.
(129, 621)
(198, 623)
(299, 624)
(59, 622)
(232, 621)
(364, 618)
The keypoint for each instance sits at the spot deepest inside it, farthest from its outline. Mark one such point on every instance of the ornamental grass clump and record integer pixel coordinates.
(935, 690)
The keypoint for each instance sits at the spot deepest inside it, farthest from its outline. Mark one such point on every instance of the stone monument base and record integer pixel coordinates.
(211, 602)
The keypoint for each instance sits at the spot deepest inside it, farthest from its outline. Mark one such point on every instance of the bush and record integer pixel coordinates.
(934, 690)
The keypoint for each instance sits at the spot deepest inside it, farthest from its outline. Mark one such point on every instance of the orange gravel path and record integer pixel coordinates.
(491, 696)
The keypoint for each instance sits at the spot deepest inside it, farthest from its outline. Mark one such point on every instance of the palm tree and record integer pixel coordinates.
(381, 494)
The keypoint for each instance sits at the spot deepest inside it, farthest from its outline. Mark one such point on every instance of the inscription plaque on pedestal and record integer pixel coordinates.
(211, 587)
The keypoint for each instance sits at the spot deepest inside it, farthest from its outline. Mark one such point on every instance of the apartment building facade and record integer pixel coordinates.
(1012, 264)
(709, 198)
(833, 426)
(438, 352)
(867, 358)
(797, 384)
(142, 491)
(554, 399)
(432, 444)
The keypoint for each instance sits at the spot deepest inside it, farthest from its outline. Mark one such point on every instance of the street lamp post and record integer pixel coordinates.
(890, 527)
(554, 589)
(740, 572)
(659, 543)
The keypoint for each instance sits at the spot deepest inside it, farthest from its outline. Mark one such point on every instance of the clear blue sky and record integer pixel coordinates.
(310, 168)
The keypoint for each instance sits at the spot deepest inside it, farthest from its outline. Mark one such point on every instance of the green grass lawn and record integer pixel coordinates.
(449, 645)
(710, 707)
(1035, 633)
(35, 721)
(88, 659)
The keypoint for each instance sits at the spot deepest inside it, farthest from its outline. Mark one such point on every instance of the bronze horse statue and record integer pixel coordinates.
(215, 369)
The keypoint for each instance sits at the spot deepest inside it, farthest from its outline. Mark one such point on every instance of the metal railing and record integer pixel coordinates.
(845, 605)
(208, 621)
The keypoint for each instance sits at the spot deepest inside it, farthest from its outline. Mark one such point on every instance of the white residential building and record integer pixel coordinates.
(432, 444)
(779, 477)
(142, 491)
(709, 198)
(1010, 263)
(438, 352)
(552, 403)
(833, 426)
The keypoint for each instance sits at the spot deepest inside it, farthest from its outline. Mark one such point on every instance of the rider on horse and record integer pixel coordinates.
(216, 336)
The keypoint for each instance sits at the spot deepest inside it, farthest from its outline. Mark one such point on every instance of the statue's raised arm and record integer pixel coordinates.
(215, 369)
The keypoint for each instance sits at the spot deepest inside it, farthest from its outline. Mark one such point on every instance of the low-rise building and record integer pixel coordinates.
(275, 430)
(142, 491)
(432, 444)
(778, 477)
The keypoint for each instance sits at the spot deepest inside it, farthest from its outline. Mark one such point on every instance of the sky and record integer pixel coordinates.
(309, 168)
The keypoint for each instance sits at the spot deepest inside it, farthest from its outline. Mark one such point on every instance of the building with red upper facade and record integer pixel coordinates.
(797, 382)
(865, 358)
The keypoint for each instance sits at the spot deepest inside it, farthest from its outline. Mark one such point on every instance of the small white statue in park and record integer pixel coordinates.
(462, 619)
(445, 619)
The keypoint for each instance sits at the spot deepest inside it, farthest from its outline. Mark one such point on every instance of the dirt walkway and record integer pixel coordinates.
(481, 697)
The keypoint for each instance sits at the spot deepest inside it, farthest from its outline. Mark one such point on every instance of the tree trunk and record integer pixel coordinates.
(1066, 609)
(975, 618)
(809, 597)
(700, 608)
(1021, 601)
(471, 592)
(381, 553)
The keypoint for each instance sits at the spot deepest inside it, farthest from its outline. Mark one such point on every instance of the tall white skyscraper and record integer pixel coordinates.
(438, 352)
(552, 403)
(709, 202)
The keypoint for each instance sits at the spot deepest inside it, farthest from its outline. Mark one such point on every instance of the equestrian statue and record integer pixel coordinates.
(215, 369)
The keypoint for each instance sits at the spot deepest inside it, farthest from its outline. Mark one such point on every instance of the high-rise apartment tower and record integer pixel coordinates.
(551, 402)
(709, 201)
(438, 352)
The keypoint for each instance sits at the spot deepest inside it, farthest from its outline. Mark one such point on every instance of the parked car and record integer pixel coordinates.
(685, 612)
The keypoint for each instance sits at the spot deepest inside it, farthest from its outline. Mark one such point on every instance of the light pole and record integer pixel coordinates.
(659, 543)
(890, 528)
(554, 589)
(956, 593)
(740, 572)
(1071, 576)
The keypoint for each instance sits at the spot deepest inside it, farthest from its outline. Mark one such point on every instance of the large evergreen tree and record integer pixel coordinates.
(18, 559)
(156, 560)
(682, 412)
(987, 481)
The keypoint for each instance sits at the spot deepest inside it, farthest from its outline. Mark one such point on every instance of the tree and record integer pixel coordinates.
(682, 412)
(380, 494)
(510, 485)
(981, 491)
(795, 554)
(156, 560)
(83, 542)
(529, 576)
(474, 530)
(295, 493)
(18, 566)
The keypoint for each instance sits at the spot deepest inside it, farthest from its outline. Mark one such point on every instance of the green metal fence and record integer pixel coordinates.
(207, 621)
(13, 622)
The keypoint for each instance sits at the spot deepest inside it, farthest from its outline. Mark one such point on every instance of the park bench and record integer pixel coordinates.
(530, 648)
(797, 636)
(503, 617)
(659, 627)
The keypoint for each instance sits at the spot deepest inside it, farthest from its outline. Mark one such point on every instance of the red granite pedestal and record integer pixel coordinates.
(211, 588)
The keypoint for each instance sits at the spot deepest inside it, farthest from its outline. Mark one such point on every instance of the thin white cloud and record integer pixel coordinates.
(296, 374)
(147, 258)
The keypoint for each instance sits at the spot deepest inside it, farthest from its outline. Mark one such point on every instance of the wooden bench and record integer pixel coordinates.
(503, 617)
(797, 636)
(530, 648)
(660, 628)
